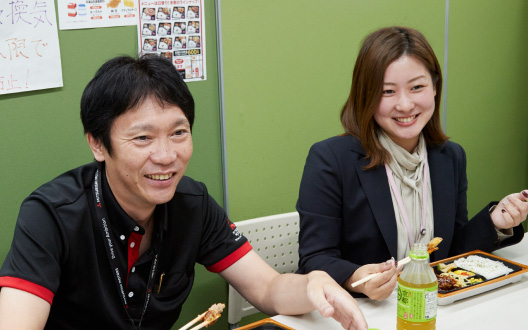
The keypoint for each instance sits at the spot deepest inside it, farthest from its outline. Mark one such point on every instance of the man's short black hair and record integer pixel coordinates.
(122, 83)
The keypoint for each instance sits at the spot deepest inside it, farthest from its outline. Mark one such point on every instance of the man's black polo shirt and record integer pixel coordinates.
(58, 253)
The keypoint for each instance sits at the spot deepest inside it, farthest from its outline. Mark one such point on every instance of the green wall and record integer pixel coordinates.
(487, 103)
(288, 73)
(288, 69)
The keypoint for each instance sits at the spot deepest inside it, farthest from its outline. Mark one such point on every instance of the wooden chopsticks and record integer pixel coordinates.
(196, 319)
(214, 310)
(431, 247)
(371, 276)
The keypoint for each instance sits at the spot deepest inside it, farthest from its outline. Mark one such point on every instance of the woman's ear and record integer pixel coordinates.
(97, 147)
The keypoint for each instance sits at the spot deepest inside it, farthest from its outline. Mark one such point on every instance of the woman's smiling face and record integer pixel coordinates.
(408, 101)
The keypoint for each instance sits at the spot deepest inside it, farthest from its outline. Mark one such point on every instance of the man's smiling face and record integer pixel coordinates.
(151, 147)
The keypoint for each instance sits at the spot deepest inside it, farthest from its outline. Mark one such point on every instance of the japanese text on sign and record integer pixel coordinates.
(29, 46)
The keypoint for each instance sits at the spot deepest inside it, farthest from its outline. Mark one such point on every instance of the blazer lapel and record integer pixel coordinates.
(442, 185)
(376, 187)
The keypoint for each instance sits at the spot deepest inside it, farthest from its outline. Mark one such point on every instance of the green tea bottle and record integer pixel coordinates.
(417, 292)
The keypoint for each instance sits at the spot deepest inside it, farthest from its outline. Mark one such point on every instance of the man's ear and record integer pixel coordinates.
(97, 147)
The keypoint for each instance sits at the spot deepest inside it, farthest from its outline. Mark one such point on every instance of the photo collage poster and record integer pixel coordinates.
(175, 29)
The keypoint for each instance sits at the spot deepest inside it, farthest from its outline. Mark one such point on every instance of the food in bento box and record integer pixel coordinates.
(451, 277)
(464, 272)
(486, 267)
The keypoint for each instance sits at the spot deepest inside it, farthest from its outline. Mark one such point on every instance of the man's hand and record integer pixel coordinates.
(293, 294)
(331, 300)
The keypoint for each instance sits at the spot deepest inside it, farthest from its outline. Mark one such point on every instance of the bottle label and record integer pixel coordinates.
(417, 304)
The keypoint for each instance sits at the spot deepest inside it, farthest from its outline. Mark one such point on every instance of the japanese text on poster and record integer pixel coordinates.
(29, 46)
(83, 14)
(175, 29)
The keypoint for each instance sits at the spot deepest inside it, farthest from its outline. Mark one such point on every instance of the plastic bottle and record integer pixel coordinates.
(417, 292)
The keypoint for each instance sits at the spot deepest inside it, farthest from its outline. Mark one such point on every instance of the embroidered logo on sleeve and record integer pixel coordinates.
(234, 230)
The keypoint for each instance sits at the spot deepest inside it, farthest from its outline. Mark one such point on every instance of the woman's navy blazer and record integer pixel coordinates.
(347, 216)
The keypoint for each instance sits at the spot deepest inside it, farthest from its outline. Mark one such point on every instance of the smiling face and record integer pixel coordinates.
(151, 147)
(407, 103)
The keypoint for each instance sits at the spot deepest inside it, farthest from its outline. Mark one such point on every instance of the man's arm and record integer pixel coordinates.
(291, 294)
(22, 310)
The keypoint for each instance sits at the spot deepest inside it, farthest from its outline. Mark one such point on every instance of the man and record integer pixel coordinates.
(112, 244)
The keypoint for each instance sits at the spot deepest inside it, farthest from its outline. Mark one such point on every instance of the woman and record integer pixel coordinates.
(393, 178)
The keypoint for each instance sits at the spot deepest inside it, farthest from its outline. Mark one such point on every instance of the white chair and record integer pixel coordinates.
(275, 239)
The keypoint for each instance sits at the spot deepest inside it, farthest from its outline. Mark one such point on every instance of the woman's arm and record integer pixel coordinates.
(320, 210)
(479, 232)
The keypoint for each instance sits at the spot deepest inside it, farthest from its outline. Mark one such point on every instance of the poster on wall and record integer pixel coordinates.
(175, 29)
(84, 14)
(29, 46)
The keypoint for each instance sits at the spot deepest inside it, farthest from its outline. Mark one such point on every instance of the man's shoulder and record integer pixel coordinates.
(189, 186)
(67, 187)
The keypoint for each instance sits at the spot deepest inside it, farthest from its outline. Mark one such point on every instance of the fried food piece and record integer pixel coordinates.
(431, 246)
(213, 314)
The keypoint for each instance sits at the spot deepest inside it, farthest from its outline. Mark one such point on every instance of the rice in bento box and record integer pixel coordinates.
(486, 267)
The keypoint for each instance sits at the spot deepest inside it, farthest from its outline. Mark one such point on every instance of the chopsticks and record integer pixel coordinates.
(196, 319)
(371, 276)
(208, 319)
(431, 247)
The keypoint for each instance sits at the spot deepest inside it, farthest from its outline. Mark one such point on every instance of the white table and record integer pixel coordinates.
(502, 308)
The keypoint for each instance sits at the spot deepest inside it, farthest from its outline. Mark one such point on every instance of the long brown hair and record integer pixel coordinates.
(379, 50)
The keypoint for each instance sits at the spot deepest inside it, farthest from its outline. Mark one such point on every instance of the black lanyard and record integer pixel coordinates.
(109, 244)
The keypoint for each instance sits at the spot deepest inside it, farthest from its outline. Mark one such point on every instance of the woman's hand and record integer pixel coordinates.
(511, 210)
(379, 287)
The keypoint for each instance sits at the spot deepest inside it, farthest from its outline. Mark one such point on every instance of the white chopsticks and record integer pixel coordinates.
(215, 310)
(196, 319)
(199, 326)
(371, 276)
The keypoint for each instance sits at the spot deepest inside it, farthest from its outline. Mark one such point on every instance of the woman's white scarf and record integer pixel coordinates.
(407, 170)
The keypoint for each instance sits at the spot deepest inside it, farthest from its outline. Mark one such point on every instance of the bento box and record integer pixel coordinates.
(265, 324)
(472, 273)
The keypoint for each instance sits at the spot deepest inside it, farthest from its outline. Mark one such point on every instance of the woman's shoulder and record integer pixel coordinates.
(340, 143)
(342, 149)
(451, 148)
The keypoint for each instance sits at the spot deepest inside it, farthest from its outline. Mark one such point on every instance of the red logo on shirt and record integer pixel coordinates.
(232, 225)
(234, 229)
(99, 205)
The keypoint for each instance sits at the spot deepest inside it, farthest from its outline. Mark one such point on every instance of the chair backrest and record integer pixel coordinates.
(275, 239)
